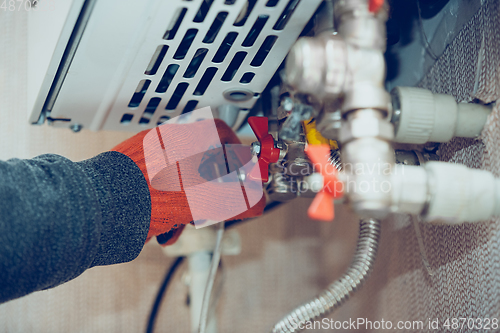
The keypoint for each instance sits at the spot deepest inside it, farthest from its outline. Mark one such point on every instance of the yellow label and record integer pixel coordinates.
(314, 137)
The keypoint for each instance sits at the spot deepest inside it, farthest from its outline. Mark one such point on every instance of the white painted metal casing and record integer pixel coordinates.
(123, 44)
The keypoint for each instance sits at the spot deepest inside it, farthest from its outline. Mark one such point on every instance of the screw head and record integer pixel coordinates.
(76, 128)
(287, 104)
(255, 148)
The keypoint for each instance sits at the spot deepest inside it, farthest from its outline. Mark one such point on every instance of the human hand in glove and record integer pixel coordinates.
(195, 173)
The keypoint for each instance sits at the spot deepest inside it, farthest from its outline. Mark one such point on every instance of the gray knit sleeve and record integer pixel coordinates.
(59, 218)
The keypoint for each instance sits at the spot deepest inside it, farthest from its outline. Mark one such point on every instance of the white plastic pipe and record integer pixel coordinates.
(471, 119)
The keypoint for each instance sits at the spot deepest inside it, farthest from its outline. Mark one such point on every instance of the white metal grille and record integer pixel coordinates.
(182, 55)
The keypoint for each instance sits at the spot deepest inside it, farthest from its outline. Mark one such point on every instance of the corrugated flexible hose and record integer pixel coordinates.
(339, 291)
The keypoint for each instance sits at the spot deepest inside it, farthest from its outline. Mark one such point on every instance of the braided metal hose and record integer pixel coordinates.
(334, 159)
(339, 291)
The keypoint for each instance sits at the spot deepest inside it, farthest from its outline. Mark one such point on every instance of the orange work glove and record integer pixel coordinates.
(174, 159)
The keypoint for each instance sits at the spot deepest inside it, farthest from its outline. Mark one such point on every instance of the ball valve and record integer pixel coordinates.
(322, 206)
(266, 149)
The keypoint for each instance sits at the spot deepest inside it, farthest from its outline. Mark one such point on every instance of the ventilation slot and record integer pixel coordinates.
(167, 78)
(229, 2)
(205, 81)
(203, 11)
(272, 3)
(185, 44)
(190, 106)
(195, 63)
(247, 77)
(238, 96)
(156, 60)
(126, 118)
(215, 27)
(286, 14)
(139, 93)
(264, 50)
(162, 120)
(255, 31)
(175, 24)
(224, 47)
(177, 96)
(245, 13)
(233, 66)
(150, 110)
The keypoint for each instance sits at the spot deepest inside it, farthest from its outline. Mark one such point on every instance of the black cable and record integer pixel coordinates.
(161, 292)
(424, 35)
(270, 207)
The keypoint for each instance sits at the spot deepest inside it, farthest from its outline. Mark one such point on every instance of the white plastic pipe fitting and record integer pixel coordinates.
(368, 159)
(328, 67)
(445, 192)
(364, 87)
(420, 116)
(408, 189)
(350, 67)
(359, 26)
(459, 194)
(317, 65)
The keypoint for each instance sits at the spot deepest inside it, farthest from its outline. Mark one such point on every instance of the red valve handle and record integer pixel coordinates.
(268, 153)
(322, 206)
(375, 5)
